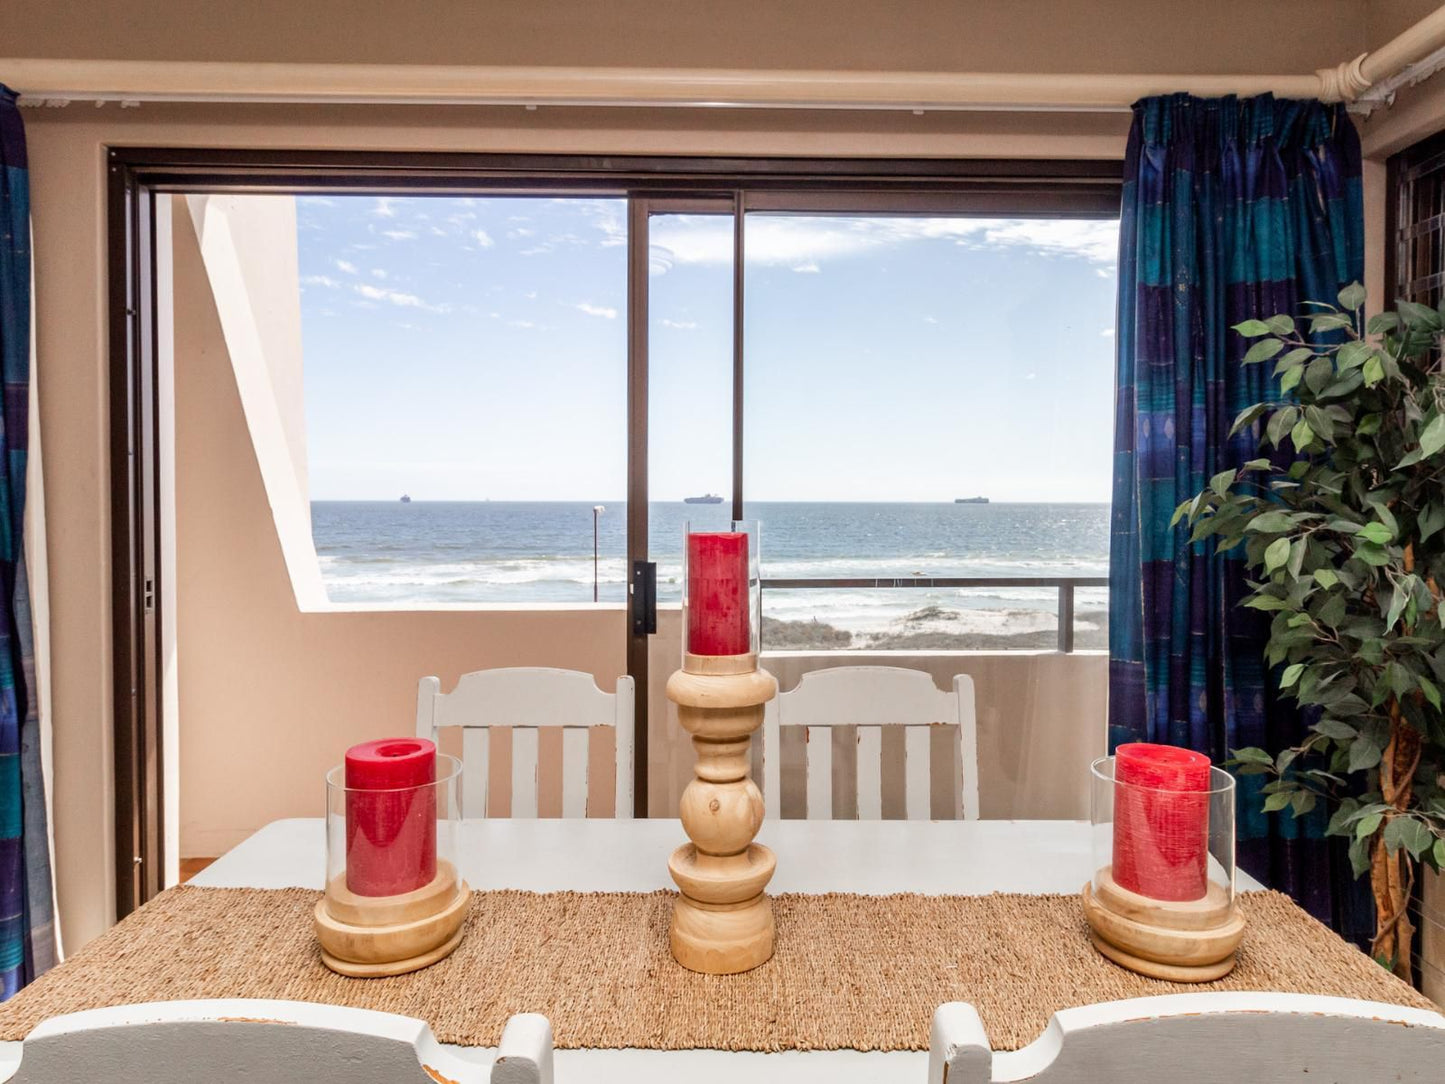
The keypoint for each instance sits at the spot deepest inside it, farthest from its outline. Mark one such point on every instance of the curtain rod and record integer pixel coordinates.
(1366, 82)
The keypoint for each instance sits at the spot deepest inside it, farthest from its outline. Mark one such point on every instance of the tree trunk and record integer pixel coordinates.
(1392, 877)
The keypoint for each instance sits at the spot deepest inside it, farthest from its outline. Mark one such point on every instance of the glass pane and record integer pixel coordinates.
(465, 387)
(690, 385)
(929, 398)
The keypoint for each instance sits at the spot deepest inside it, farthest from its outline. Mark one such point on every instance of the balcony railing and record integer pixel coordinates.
(1065, 585)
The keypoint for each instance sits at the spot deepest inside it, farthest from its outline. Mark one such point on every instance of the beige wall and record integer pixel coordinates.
(1186, 36)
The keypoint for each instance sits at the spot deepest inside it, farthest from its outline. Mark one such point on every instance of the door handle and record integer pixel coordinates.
(644, 598)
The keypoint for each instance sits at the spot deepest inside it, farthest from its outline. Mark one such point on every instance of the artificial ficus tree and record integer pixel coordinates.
(1342, 524)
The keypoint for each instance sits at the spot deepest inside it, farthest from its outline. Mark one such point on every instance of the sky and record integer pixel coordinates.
(476, 348)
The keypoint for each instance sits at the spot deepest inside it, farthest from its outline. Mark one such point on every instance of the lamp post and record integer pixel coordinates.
(597, 511)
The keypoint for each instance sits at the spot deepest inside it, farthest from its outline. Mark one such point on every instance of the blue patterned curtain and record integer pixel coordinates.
(1232, 209)
(27, 939)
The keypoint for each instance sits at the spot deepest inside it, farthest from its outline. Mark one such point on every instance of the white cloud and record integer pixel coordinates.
(681, 325)
(483, 238)
(399, 235)
(808, 267)
(520, 323)
(396, 297)
(1107, 333)
(378, 273)
(607, 312)
(930, 319)
(384, 208)
(520, 231)
(320, 280)
(345, 265)
(797, 241)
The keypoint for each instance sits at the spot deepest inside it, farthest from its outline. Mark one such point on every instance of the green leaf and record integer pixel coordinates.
(1262, 351)
(1368, 825)
(1359, 857)
(1364, 755)
(1410, 833)
(1246, 417)
(1333, 728)
(1381, 323)
(1433, 438)
(1354, 353)
(1330, 321)
(1326, 577)
(1221, 482)
(1369, 425)
(1294, 357)
(1301, 435)
(1291, 378)
(1416, 314)
(1281, 324)
(1251, 329)
(1276, 555)
(1291, 674)
(1431, 691)
(1266, 602)
(1432, 518)
(1253, 755)
(1352, 297)
(1374, 371)
(1318, 374)
(1398, 597)
(1279, 424)
(1271, 522)
(1276, 801)
(1438, 852)
(1377, 533)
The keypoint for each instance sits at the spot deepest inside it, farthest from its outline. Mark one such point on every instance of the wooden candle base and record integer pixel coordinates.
(722, 923)
(1193, 941)
(374, 936)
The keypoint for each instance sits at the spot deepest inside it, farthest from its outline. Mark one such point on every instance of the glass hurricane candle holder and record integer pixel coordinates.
(1161, 899)
(395, 900)
(722, 591)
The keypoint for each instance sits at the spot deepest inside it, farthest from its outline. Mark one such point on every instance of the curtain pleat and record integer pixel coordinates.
(1232, 209)
(27, 921)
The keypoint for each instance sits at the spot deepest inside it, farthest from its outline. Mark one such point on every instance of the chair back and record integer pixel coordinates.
(1202, 1038)
(870, 698)
(523, 699)
(241, 1041)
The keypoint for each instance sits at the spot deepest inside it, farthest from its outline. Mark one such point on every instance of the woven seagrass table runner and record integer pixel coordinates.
(859, 972)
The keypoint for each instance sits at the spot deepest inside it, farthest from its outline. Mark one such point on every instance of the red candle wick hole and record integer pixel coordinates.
(399, 749)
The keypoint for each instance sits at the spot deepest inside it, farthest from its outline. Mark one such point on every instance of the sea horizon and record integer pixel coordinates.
(521, 552)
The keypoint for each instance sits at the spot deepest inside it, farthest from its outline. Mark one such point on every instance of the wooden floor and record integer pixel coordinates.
(192, 866)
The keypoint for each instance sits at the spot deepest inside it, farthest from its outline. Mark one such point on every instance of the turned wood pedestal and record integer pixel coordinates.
(1192, 941)
(721, 923)
(375, 936)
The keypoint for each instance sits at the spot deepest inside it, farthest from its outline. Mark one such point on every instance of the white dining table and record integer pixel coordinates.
(865, 857)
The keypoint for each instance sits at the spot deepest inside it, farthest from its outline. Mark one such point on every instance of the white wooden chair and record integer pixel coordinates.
(870, 698)
(1207, 1038)
(276, 1042)
(522, 699)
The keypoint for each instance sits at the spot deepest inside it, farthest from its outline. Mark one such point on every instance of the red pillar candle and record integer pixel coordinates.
(1161, 821)
(718, 622)
(391, 818)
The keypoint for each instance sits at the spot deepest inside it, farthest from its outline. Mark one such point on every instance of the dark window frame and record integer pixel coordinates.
(1063, 188)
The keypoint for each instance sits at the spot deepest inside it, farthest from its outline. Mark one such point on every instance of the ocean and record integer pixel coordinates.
(528, 552)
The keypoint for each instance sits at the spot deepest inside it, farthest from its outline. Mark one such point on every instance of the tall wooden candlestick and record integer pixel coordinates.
(721, 923)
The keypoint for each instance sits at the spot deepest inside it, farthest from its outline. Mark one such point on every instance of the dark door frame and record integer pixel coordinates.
(1036, 188)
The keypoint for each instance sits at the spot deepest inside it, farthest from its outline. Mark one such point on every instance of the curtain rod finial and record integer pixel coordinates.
(1345, 82)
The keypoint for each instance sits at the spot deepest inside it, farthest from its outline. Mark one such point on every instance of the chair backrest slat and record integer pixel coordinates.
(869, 773)
(574, 772)
(819, 746)
(916, 776)
(870, 698)
(476, 749)
(522, 700)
